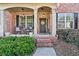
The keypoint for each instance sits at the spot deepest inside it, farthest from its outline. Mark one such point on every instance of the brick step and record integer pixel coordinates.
(44, 41)
(44, 37)
(44, 44)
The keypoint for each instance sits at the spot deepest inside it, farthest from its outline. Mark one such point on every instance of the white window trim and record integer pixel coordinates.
(66, 21)
(26, 22)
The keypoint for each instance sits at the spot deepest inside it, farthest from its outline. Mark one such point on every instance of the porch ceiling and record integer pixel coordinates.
(19, 9)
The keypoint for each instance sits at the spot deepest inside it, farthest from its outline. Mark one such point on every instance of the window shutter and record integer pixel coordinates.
(17, 20)
(75, 20)
(33, 21)
(57, 20)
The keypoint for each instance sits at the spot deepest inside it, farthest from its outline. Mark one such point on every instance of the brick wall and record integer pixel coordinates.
(12, 20)
(9, 22)
(68, 7)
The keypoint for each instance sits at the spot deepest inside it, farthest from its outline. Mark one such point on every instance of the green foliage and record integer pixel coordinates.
(69, 35)
(17, 46)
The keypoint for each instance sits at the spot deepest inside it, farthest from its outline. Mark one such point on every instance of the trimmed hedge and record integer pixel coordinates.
(69, 35)
(17, 46)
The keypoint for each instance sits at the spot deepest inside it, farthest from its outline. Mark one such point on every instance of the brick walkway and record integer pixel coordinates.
(45, 51)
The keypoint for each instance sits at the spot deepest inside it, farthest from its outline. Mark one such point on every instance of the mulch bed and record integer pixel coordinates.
(66, 49)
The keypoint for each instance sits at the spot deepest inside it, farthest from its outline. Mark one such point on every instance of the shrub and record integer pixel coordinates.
(69, 35)
(17, 46)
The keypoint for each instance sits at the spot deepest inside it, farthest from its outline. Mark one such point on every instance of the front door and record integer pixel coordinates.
(43, 25)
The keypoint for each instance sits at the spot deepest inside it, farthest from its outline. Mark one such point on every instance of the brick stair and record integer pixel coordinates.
(44, 43)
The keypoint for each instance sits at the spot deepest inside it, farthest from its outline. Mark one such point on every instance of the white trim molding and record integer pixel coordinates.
(53, 22)
(35, 21)
(2, 23)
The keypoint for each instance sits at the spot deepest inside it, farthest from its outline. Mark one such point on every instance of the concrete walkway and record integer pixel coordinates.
(45, 51)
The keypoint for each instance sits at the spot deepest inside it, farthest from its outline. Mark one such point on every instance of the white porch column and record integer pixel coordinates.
(1, 22)
(35, 21)
(53, 22)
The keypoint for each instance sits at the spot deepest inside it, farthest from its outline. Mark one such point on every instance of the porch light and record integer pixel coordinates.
(22, 9)
(43, 15)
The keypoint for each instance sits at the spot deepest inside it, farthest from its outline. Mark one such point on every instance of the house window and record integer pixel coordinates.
(30, 22)
(23, 21)
(65, 21)
(61, 21)
(69, 20)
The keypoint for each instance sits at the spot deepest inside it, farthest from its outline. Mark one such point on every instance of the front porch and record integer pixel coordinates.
(24, 21)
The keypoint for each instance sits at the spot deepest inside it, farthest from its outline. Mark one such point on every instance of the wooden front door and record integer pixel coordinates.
(43, 25)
